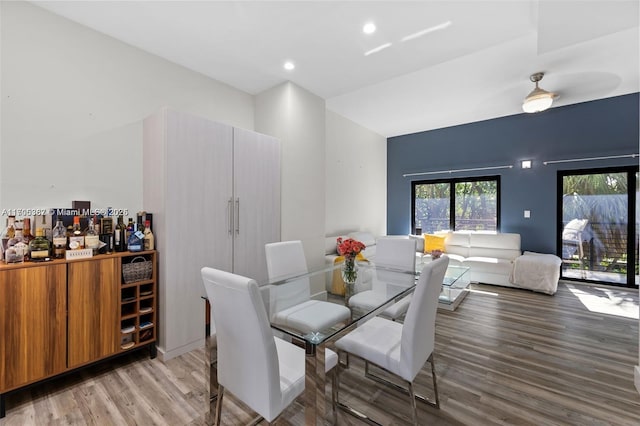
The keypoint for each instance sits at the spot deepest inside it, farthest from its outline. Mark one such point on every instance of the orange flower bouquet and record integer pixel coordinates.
(349, 248)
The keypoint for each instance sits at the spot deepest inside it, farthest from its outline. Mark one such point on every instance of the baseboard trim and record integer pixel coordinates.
(636, 377)
(165, 355)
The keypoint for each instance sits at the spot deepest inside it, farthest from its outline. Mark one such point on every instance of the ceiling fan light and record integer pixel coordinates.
(539, 99)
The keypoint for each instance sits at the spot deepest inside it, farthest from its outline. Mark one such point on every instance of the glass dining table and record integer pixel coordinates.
(390, 286)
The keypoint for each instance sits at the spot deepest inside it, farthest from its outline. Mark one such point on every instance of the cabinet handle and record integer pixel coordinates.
(230, 212)
(237, 216)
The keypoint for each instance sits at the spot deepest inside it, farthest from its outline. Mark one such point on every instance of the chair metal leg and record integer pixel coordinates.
(211, 360)
(344, 364)
(435, 384)
(334, 395)
(219, 405)
(338, 405)
(414, 409)
(336, 389)
(420, 398)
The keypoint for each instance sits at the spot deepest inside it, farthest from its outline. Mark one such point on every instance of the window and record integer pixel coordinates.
(475, 204)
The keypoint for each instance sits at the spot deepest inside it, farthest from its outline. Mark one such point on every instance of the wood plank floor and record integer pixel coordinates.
(504, 357)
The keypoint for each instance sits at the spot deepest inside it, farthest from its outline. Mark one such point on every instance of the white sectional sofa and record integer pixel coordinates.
(492, 258)
(489, 255)
(496, 258)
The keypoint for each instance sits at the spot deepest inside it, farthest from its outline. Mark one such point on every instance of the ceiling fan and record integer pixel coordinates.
(539, 99)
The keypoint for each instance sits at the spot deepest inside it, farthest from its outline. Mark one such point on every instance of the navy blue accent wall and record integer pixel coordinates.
(592, 129)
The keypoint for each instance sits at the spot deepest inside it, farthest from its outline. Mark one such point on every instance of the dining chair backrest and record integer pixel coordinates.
(247, 355)
(395, 253)
(418, 330)
(286, 259)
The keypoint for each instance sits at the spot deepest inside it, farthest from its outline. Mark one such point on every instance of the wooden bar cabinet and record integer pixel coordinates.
(65, 314)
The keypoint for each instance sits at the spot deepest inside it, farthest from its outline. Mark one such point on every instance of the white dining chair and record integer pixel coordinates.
(393, 253)
(290, 304)
(264, 372)
(402, 349)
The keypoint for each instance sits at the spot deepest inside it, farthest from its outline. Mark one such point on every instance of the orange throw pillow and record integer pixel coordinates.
(433, 242)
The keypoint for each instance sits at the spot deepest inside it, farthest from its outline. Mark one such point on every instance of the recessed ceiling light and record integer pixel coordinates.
(369, 28)
(289, 65)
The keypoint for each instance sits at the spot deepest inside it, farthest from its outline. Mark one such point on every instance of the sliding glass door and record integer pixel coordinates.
(598, 233)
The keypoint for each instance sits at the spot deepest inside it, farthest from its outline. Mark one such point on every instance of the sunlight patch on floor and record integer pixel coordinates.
(606, 301)
(489, 293)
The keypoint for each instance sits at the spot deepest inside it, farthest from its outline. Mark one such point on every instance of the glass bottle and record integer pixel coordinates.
(59, 240)
(136, 240)
(8, 233)
(91, 238)
(16, 248)
(39, 246)
(76, 239)
(119, 237)
(130, 229)
(26, 230)
(149, 240)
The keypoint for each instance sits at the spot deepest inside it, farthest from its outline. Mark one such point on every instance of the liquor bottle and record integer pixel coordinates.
(136, 240)
(120, 242)
(27, 237)
(91, 238)
(8, 233)
(106, 225)
(16, 248)
(48, 230)
(96, 224)
(59, 240)
(130, 229)
(76, 239)
(149, 240)
(39, 246)
(26, 230)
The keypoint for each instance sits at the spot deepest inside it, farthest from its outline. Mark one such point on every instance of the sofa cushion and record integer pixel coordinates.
(489, 264)
(502, 245)
(502, 240)
(331, 244)
(364, 237)
(455, 259)
(419, 242)
(434, 242)
(457, 243)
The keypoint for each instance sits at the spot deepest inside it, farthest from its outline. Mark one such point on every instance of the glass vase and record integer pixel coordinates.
(349, 276)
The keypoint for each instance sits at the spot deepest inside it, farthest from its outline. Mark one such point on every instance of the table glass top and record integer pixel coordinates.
(454, 274)
(386, 284)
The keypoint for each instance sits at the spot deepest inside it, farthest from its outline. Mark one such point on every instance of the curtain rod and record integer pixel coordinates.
(590, 159)
(458, 171)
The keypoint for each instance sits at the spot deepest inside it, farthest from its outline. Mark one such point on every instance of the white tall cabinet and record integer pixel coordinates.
(214, 191)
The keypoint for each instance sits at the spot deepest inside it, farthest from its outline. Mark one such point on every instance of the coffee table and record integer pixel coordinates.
(454, 287)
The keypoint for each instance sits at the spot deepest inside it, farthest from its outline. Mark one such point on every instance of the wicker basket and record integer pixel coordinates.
(137, 270)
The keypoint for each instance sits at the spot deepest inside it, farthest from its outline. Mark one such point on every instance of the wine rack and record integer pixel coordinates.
(138, 312)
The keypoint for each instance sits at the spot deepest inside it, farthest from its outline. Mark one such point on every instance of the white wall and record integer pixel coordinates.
(73, 101)
(72, 104)
(356, 179)
(297, 118)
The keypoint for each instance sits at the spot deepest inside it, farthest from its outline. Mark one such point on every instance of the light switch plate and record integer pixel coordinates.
(527, 214)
